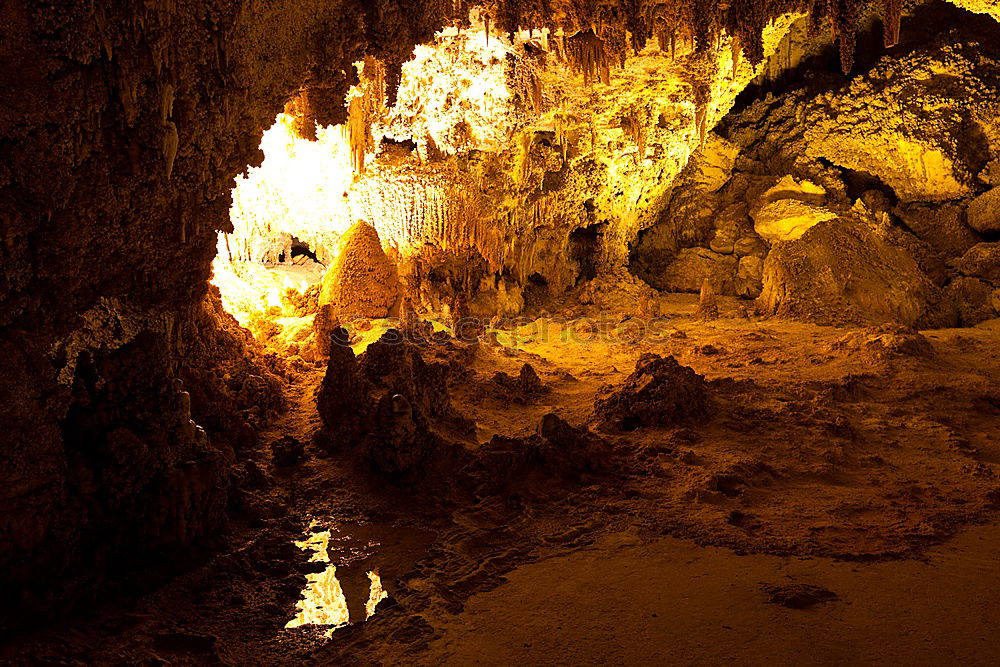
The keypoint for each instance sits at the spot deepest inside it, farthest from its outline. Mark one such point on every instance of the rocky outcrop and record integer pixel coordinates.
(847, 271)
(659, 392)
(925, 123)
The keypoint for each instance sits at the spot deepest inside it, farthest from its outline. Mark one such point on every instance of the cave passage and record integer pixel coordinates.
(500, 332)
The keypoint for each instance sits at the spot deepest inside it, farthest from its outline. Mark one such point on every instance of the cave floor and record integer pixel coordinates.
(864, 463)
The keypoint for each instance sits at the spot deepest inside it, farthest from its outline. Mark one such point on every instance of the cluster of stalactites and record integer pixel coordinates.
(700, 21)
(588, 56)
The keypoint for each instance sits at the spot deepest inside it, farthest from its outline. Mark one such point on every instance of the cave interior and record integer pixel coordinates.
(558, 332)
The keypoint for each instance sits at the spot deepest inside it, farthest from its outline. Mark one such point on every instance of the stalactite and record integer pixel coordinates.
(634, 126)
(737, 49)
(170, 144)
(393, 76)
(846, 22)
(589, 57)
(702, 98)
(891, 17)
(365, 107)
(635, 23)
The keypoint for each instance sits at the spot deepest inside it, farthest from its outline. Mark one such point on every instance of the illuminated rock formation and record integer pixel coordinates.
(363, 281)
(920, 123)
(850, 271)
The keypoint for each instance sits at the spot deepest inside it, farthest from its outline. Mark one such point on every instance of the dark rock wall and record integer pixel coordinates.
(122, 126)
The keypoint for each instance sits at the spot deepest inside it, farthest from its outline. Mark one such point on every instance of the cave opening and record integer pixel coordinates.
(443, 304)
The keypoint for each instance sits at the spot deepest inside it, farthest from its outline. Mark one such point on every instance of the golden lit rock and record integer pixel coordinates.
(788, 219)
(363, 282)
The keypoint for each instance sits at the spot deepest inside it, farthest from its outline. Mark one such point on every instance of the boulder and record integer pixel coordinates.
(941, 226)
(973, 299)
(389, 406)
(750, 245)
(722, 242)
(885, 340)
(789, 188)
(847, 271)
(984, 212)
(981, 261)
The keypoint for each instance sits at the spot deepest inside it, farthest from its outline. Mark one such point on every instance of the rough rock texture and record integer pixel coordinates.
(886, 340)
(981, 6)
(518, 465)
(788, 219)
(658, 392)
(974, 300)
(138, 118)
(363, 282)
(926, 124)
(547, 181)
(984, 212)
(981, 261)
(801, 161)
(122, 127)
(848, 271)
(389, 406)
(750, 277)
(693, 266)
(942, 226)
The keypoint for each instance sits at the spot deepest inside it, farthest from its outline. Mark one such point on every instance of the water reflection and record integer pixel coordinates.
(336, 597)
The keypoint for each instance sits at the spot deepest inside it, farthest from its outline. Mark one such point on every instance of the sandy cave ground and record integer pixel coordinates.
(835, 458)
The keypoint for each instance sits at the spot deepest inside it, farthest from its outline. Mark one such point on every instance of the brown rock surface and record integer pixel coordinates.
(659, 392)
(846, 271)
(984, 212)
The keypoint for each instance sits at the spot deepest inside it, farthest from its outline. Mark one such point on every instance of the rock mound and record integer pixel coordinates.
(846, 271)
(659, 392)
(389, 405)
(362, 282)
(886, 340)
(557, 451)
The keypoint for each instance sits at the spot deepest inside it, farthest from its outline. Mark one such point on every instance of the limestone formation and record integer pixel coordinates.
(362, 283)
(848, 272)
(788, 219)
(659, 392)
(908, 121)
(984, 212)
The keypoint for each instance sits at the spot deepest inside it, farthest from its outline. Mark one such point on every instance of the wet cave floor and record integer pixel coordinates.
(838, 504)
